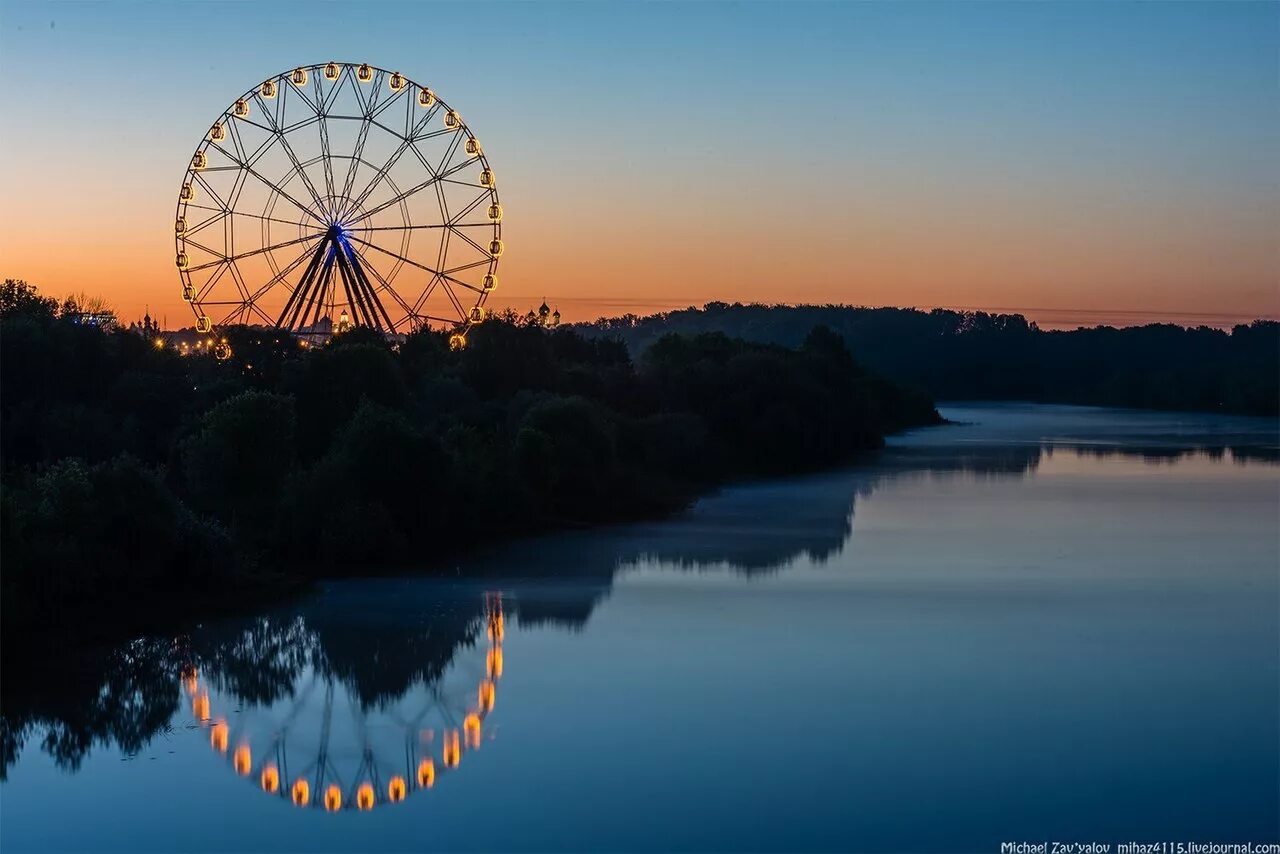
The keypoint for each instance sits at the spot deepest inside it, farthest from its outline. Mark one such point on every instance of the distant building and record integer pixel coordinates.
(544, 316)
(101, 319)
(147, 327)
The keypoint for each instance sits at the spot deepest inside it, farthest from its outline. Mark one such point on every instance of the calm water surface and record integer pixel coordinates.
(1042, 623)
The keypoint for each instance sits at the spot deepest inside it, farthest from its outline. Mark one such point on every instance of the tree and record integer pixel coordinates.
(234, 464)
(18, 297)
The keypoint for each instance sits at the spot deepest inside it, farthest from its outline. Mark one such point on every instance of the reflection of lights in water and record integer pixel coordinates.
(359, 776)
(364, 797)
(218, 736)
(243, 760)
(452, 749)
(332, 798)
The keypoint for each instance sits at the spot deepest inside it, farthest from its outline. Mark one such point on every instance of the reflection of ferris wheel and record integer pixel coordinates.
(338, 195)
(322, 748)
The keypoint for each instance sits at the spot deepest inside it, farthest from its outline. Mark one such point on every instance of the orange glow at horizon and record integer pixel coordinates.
(1042, 276)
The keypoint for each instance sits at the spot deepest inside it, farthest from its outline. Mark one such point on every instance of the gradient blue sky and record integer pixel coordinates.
(1080, 161)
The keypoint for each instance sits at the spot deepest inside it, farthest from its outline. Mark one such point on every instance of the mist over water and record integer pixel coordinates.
(1037, 623)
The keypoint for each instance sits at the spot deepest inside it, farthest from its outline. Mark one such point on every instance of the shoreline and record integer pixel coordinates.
(83, 625)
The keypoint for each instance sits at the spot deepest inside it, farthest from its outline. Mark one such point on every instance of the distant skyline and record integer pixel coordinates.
(1076, 162)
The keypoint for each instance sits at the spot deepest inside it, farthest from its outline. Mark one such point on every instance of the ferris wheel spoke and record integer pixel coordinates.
(435, 133)
(487, 194)
(382, 108)
(253, 306)
(279, 277)
(353, 163)
(449, 152)
(203, 224)
(362, 135)
(212, 193)
(289, 152)
(379, 101)
(222, 211)
(197, 244)
(273, 247)
(300, 124)
(240, 285)
(402, 258)
(386, 284)
(381, 174)
(360, 99)
(328, 159)
(436, 225)
(302, 93)
(277, 220)
(487, 260)
(327, 101)
(453, 298)
(384, 280)
(250, 121)
(430, 182)
(239, 185)
(271, 186)
(212, 280)
(253, 252)
(240, 159)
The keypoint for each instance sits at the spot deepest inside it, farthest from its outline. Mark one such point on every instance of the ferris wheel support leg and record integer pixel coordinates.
(361, 297)
(314, 298)
(294, 303)
(323, 292)
(355, 297)
(370, 293)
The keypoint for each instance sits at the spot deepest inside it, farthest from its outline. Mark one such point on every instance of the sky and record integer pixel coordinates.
(1077, 162)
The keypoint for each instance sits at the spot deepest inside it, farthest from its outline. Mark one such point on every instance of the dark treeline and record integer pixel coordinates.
(130, 471)
(979, 356)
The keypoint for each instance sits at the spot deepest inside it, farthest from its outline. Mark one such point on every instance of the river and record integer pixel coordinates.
(1037, 623)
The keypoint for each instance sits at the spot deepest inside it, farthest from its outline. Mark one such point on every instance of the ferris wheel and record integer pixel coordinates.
(339, 195)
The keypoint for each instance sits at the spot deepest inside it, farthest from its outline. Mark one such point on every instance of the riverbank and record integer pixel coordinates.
(133, 474)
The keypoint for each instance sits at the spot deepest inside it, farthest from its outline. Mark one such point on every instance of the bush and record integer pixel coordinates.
(76, 533)
(234, 464)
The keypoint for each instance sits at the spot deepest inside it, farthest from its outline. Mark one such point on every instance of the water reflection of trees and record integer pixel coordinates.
(380, 638)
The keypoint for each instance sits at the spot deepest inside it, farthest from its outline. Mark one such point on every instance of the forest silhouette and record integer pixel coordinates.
(133, 474)
(954, 355)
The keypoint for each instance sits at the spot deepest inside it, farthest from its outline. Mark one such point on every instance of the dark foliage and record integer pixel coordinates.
(978, 356)
(130, 470)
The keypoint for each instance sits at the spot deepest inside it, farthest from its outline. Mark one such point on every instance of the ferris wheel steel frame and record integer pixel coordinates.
(338, 247)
